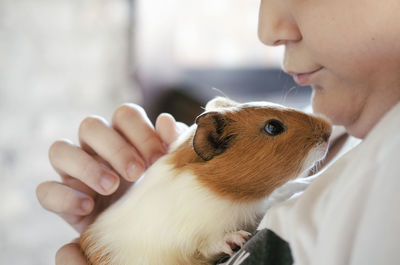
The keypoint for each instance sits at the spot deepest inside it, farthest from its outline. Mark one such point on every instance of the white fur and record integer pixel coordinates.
(168, 214)
(314, 155)
(215, 104)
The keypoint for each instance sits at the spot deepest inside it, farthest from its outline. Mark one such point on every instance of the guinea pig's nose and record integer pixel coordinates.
(326, 136)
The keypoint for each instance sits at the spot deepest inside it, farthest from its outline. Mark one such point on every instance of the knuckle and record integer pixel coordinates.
(67, 201)
(123, 155)
(90, 170)
(123, 152)
(150, 140)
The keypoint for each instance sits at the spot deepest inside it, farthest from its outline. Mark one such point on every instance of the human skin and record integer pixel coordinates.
(106, 151)
(79, 197)
(353, 44)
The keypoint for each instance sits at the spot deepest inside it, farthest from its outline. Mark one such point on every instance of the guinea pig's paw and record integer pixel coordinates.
(232, 241)
(237, 239)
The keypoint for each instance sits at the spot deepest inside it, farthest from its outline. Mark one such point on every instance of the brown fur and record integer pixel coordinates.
(255, 163)
(95, 258)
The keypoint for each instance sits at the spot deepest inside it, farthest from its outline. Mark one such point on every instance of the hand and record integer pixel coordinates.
(107, 162)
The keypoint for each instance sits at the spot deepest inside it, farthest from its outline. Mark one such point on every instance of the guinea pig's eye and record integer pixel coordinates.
(274, 127)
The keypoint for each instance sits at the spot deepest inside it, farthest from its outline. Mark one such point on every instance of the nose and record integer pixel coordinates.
(326, 136)
(276, 25)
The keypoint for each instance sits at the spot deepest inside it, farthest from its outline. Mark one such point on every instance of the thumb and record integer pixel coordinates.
(168, 128)
(70, 254)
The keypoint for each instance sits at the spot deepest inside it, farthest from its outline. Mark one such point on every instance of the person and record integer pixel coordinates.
(348, 51)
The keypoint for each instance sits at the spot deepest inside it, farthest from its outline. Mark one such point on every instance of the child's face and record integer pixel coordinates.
(354, 45)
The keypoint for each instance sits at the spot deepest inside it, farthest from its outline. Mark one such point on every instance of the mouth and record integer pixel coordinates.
(304, 79)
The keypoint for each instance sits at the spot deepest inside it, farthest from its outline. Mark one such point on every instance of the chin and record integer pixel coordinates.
(329, 106)
(321, 103)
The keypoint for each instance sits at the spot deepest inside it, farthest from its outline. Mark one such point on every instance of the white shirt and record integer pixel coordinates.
(350, 214)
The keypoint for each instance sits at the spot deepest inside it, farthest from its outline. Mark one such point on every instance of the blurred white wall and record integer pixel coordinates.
(176, 34)
(60, 60)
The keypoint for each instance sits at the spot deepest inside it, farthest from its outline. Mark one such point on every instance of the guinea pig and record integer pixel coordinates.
(202, 198)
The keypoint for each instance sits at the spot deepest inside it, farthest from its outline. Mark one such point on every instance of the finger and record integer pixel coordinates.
(112, 147)
(59, 198)
(132, 122)
(79, 223)
(168, 128)
(70, 254)
(68, 159)
(78, 185)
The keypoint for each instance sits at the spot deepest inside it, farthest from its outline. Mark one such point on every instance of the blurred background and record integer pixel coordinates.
(62, 60)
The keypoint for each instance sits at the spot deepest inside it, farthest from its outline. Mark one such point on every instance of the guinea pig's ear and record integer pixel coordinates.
(220, 102)
(212, 137)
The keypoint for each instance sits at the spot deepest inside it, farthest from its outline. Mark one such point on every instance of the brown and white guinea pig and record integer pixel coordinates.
(197, 201)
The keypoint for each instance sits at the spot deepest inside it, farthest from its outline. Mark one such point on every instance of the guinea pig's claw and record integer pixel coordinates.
(227, 249)
(236, 239)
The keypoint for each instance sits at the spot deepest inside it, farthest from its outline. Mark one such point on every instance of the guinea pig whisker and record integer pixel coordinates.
(284, 97)
(220, 91)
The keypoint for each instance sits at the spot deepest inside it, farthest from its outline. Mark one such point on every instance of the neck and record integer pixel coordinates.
(372, 113)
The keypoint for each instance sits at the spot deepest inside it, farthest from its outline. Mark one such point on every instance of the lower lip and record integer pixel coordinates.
(306, 78)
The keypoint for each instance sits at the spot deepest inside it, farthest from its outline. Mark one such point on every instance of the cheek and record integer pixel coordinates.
(354, 43)
(357, 48)
(357, 63)
(351, 78)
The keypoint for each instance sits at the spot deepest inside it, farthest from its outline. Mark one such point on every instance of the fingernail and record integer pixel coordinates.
(134, 171)
(107, 182)
(86, 205)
